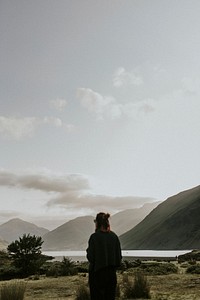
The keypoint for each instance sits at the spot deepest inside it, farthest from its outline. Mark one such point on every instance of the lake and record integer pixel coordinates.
(81, 255)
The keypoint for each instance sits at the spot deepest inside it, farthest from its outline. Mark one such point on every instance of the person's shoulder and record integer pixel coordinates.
(93, 234)
(113, 234)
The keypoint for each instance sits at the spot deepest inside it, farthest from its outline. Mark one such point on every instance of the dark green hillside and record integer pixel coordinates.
(174, 224)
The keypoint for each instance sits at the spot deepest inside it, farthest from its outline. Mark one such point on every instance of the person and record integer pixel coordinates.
(104, 256)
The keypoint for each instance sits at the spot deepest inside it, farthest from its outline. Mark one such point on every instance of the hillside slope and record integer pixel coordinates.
(3, 244)
(15, 228)
(125, 220)
(173, 224)
(72, 235)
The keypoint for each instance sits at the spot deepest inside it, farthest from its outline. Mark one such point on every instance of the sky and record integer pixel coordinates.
(99, 105)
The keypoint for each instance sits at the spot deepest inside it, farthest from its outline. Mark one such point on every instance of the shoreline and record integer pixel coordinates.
(129, 258)
(163, 255)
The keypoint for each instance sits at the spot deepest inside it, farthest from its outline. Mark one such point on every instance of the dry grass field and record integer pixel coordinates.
(179, 286)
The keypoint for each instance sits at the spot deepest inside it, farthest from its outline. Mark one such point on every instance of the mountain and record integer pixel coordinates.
(172, 225)
(127, 219)
(3, 245)
(15, 228)
(72, 235)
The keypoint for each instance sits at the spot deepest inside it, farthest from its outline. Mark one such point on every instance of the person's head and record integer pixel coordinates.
(102, 221)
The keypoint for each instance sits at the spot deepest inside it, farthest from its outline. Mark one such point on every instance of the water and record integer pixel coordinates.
(81, 255)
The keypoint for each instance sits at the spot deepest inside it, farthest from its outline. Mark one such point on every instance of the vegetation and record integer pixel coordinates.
(194, 269)
(26, 253)
(150, 267)
(172, 286)
(83, 293)
(13, 290)
(192, 256)
(137, 288)
(66, 267)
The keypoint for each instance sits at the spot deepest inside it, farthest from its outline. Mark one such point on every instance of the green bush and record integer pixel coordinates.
(13, 290)
(66, 267)
(8, 272)
(82, 267)
(137, 288)
(26, 254)
(54, 269)
(157, 268)
(194, 269)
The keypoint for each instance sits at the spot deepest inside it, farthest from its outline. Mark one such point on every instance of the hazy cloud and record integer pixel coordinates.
(8, 214)
(122, 77)
(71, 191)
(44, 182)
(59, 104)
(18, 128)
(97, 202)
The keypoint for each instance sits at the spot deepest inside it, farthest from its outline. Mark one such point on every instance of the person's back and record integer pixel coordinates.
(104, 256)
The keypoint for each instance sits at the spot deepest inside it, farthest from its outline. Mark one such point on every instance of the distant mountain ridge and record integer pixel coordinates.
(172, 225)
(3, 244)
(74, 234)
(15, 228)
(127, 219)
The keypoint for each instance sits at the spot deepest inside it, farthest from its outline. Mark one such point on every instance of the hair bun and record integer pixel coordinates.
(107, 216)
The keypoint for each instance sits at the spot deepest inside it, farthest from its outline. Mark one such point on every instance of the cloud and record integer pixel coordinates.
(92, 202)
(102, 106)
(122, 77)
(68, 191)
(19, 128)
(107, 107)
(59, 104)
(44, 181)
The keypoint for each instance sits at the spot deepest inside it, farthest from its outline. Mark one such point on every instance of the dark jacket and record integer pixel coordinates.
(103, 250)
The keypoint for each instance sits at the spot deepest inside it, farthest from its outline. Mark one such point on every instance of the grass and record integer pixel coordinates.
(83, 293)
(137, 287)
(13, 290)
(175, 286)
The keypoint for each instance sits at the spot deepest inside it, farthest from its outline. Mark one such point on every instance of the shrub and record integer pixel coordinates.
(8, 272)
(83, 293)
(132, 263)
(194, 269)
(65, 268)
(54, 269)
(137, 288)
(68, 267)
(156, 268)
(26, 253)
(13, 290)
(82, 267)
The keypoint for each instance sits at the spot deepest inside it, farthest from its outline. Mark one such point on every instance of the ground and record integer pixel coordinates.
(179, 286)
